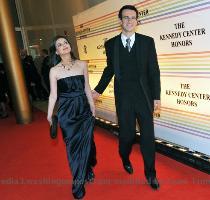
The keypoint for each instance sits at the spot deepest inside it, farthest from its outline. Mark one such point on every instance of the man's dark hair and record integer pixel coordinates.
(129, 7)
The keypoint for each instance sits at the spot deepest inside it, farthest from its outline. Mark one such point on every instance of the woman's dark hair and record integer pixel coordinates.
(54, 58)
(128, 7)
(45, 51)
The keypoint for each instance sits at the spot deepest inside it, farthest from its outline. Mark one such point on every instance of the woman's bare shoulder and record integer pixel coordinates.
(81, 62)
(55, 69)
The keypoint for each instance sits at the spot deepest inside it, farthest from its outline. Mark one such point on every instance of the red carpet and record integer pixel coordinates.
(33, 167)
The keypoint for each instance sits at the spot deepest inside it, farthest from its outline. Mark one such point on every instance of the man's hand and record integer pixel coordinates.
(157, 106)
(95, 95)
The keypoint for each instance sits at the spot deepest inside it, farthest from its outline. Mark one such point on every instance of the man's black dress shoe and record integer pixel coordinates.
(128, 168)
(153, 182)
(90, 175)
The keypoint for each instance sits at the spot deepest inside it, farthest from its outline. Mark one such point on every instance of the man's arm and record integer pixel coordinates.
(107, 73)
(154, 72)
(154, 78)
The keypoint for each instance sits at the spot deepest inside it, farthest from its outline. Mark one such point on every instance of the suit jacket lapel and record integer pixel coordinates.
(116, 57)
(139, 53)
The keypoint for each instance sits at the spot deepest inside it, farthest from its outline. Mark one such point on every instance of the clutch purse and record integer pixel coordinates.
(54, 127)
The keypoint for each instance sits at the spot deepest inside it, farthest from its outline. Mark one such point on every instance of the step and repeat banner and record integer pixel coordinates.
(181, 31)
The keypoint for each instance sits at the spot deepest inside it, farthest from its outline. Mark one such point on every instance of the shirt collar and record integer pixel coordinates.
(123, 39)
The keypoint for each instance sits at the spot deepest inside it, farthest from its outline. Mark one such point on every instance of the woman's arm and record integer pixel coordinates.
(53, 94)
(88, 90)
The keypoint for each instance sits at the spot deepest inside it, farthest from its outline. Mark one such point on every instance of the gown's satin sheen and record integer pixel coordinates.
(77, 123)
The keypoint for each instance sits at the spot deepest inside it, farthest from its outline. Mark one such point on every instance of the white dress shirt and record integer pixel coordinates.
(123, 38)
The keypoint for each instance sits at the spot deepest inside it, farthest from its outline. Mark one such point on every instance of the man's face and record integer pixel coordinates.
(129, 21)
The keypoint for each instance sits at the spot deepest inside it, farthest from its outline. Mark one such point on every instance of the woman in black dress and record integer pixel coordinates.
(76, 111)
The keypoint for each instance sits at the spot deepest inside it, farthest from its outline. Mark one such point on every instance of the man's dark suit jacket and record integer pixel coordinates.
(147, 65)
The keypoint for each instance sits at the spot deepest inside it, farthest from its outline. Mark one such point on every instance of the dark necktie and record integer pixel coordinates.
(128, 44)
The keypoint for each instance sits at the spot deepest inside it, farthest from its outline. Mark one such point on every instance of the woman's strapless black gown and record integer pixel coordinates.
(77, 124)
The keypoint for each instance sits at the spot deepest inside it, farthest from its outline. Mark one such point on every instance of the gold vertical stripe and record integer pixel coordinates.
(13, 66)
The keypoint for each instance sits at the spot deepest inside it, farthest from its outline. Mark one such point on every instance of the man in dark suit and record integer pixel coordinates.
(32, 77)
(132, 59)
(45, 70)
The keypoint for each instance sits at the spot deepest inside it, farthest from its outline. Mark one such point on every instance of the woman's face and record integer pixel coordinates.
(62, 46)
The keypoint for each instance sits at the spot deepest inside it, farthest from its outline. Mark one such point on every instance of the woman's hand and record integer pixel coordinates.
(93, 110)
(95, 95)
(49, 119)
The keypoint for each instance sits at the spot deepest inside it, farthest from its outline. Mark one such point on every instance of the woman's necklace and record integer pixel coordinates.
(69, 66)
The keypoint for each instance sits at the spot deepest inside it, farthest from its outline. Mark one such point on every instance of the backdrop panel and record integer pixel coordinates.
(181, 32)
